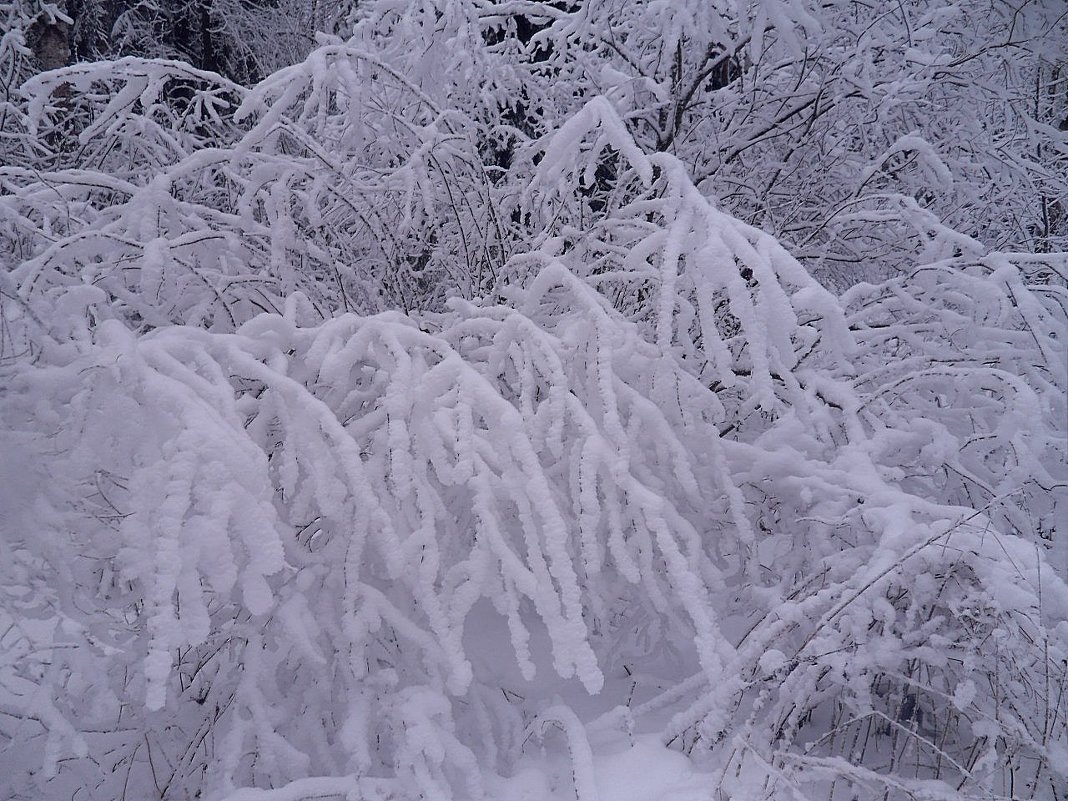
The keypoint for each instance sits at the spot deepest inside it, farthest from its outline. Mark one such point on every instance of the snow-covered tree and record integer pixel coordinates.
(856, 133)
(364, 427)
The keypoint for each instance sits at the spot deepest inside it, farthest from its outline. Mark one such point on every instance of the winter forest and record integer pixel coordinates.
(533, 400)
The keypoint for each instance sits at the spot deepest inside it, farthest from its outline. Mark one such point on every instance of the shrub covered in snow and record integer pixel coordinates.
(363, 432)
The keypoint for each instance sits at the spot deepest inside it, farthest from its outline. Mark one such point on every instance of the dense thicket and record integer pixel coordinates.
(501, 367)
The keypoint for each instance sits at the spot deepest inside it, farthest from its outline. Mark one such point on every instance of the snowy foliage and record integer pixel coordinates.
(492, 380)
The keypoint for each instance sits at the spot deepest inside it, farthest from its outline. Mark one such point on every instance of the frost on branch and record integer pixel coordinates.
(624, 439)
(885, 569)
(964, 371)
(192, 201)
(359, 488)
(725, 298)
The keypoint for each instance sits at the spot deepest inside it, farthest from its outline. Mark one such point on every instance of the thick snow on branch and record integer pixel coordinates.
(419, 420)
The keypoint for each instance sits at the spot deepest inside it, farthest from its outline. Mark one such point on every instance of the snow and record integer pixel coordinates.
(644, 771)
(475, 408)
